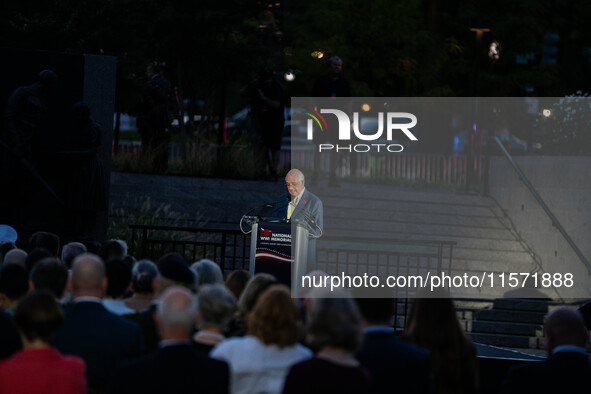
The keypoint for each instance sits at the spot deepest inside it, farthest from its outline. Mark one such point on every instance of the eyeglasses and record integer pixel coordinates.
(292, 184)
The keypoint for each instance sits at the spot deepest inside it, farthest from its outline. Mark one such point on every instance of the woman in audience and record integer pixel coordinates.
(40, 368)
(260, 361)
(207, 272)
(254, 288)
(143, 279)
(237, 281)
(334, 327)
(216, 306)
(433, 325)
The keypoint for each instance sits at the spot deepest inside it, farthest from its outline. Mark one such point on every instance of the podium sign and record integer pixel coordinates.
(272, 251)
(275, 251)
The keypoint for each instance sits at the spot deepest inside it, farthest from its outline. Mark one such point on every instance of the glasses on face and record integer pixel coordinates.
(292, 184)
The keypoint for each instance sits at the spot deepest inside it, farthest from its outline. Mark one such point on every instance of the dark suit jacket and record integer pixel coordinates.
(309, 205)
(145, 319)
(10, 340)
(175, 369)
(563, 372)
(396, 365)
(100, 338)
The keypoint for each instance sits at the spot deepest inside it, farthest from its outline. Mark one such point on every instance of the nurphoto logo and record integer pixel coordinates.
(394, 126)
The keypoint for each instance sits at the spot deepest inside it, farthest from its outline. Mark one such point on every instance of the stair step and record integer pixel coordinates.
(513, 341)
(505, 328)
(510, 316)
(522, 305)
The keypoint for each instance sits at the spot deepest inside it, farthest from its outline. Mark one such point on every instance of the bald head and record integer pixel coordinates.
(88, 276)
(565, 326)
(17, 256)
(177, 308)
(295, 175)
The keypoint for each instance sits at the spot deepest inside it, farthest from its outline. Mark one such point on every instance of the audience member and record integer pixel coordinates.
(254, 288)
(207, 272)
(113, 248)
(10, 340)
(36, 255)
(236, 281)
(389, 358)
(216, 307)
(172, 271)
(46, 240)
(14, 284)
(334, 327)
(99, 337)
(17, 256)
(39, 367)
(50, 274)
(70, 251)
(176, 367)
(260, 361)
(567, 368)
(118, 284)
(5, 247)
(143, 284)
(433, 325)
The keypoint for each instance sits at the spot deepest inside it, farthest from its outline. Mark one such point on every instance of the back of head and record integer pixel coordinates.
(334, 322)
(207, 273)
(14, 281)
(236, 282)
(35, 256)
(16, 256)
(565, 325)
(375, 311)
(432, 323)
(88, 276)
(44, 239)
(5, 247)
(173, 270)
(177, 309)
(118, 277)
(72, 250)
(275, 318)
(254, 288)
(113, 248)
(50, 274)
(38, 316)
(143, 274)
(216, 305)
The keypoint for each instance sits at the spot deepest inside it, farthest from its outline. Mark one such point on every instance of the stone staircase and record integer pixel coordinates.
(485, 241)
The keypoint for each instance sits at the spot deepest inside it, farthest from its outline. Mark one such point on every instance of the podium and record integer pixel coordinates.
(280, 249)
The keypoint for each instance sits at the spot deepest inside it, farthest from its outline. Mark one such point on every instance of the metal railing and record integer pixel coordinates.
(231, 248)
(228, 248)
(545, 207)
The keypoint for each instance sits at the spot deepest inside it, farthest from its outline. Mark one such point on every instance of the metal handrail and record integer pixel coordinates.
(540, 201)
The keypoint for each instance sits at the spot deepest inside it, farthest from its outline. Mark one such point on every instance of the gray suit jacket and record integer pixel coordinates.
(309, 205)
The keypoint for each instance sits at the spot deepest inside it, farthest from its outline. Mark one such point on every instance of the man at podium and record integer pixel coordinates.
(301, 205)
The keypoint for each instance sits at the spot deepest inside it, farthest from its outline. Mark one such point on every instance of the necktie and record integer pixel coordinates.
(290, 208)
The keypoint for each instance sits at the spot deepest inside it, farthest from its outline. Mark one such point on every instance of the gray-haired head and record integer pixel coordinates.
(216, 305)
(334, 322)
(207, 272)
(177, 308)
(72, 250)
(143, 274)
